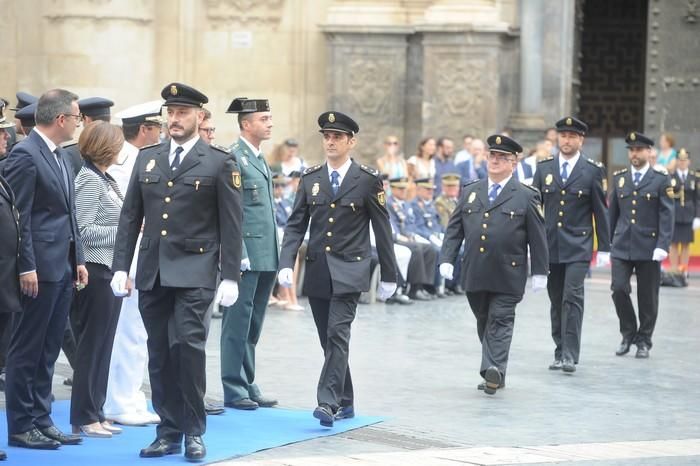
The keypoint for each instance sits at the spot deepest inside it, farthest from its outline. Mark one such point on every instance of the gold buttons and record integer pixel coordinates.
(634, 192)
(147, 180)
(163, 233)
(562, 202)
(563, 192)
(165, 216)
(328, 249)
(583, 233)
(330, 220)
(634, 211)
(561, 214)
(358, 258)
(559, 224)
(332, 205)
(633, 221)
(167, 199)
(634, 202)
(170, 184)
(513, 263)
(482, 249)
(486, 215)
(484, 225)
(329, 233)
(201, 250)
(653, 234)
(483, 237)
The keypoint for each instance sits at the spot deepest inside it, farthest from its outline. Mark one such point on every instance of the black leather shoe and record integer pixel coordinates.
(568, 366)
(325, 414)
(642, 352)
(32, 439)
(556, 365)
(493, 380)
(482, 386)
(3, 455)
(244, 403)
(160, 447)
(264, 402)
(212, 409)
(65, 439)
(194, 447)
(458, 289)
(345, 412)
(624, 348)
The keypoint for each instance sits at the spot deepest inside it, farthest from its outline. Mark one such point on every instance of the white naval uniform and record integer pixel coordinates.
(129, 352)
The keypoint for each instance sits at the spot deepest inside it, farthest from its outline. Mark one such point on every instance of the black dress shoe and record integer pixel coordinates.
(482, 386)
(194, 447)
(642, 352)
(32, 439)
(325, 414)
(264, 402)
(161, 447)
(3, 455)
(345, 412)
(212, 409)
(244, 403)
(65, 439)
(556, 365)
(568, 366)
(458, 289)
(493, 380)
(624, 348)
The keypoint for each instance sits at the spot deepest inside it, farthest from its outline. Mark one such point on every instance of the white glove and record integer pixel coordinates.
(602, 259)
(227, 294)
(447, 270)
(435, 239)
(696, 223)
(659, 255)
(386, 290)
(539, 283)
(286, 277)
(118, 284)
(245, 264)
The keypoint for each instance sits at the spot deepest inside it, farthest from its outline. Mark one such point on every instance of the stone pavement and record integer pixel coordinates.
(418, 367)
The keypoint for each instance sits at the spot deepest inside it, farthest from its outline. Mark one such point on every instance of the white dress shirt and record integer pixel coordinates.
(642, 170)
(572, 162)
(342, 171)
(501, 184)
(186, 148)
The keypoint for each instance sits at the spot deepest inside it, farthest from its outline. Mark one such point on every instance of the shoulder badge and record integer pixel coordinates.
(381, 198)
(546, 160)
(236, 179)
(223, 149)
(315, 168)
(669, 192)
(594, 162)
(151, 145)
(661, 170)
(370, 170)
(620, 172)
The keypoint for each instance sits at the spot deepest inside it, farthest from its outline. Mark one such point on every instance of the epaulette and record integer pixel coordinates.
(469, 183)
(546, 160)
(370, 170)
(150, 145)
(661, 170)
(223, 149)
(70, 144)
(315, 168)
(594, 162)
(530, 186)
(620, 172)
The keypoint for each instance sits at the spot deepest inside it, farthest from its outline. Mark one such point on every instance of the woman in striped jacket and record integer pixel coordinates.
(96, 311)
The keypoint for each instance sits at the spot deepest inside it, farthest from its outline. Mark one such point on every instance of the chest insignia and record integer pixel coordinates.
(621, 182)
(548, 179)
(150, 165)
(472, 196)
(314, 189)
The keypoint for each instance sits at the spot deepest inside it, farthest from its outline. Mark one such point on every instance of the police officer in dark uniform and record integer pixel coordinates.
(573, 193)
(91, 109)
(338, 198)
(641, 224)
(428, 225)
(497, 218)
(687, 214)
(186, 194)
(24, 99)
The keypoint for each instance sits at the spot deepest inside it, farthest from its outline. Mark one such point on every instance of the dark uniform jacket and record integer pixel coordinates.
(687, 198)
(641, 217)
(192, 219)
(9, 250)
(427, 218)
(338, 256)
(402, 218)
(569, 209)
(496, 237)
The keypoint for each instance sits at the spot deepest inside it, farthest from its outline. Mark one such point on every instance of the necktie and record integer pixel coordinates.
(682, 178)
(564, 171)
(637, 177)
(176, 161)
(334, 181)
(493, 194)
(57, 155)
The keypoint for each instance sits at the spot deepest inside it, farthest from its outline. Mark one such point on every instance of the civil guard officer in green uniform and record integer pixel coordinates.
(242, 323)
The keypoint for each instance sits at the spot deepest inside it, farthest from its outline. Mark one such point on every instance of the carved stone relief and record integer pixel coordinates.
(251, 13)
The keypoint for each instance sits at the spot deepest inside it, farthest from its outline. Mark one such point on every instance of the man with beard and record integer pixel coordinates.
(641, 225)
(573, 194)
(186, 194)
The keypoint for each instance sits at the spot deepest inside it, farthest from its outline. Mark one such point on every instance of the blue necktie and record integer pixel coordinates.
(334, 181)
(64, 176)
(637, 177)
(176, 160)
(564, 172)
(493, 194)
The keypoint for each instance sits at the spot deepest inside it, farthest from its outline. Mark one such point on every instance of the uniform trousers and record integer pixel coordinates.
(421, 268)
(241, 327)
(333, 318)
(37, 333)
(565, 288)
(648, 282)
(176, 322)
(495, 318)
(95, 320)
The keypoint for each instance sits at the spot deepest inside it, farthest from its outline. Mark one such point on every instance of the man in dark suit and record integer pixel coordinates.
(92, 109)
(497, 219)
(186, 193)
(339, 198)
(641, 225)
(573, 194)
(51, 259)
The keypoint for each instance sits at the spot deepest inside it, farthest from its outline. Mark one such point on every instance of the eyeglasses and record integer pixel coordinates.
(208, 130)
(392, 143)
(498, 157)
(79, 117)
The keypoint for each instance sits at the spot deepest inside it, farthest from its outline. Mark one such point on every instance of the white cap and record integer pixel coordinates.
(142, 113)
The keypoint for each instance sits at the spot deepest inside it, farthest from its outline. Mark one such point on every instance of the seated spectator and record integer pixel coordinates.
(445, 204)
(428, 227)
(285, 158)
(421, 165)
